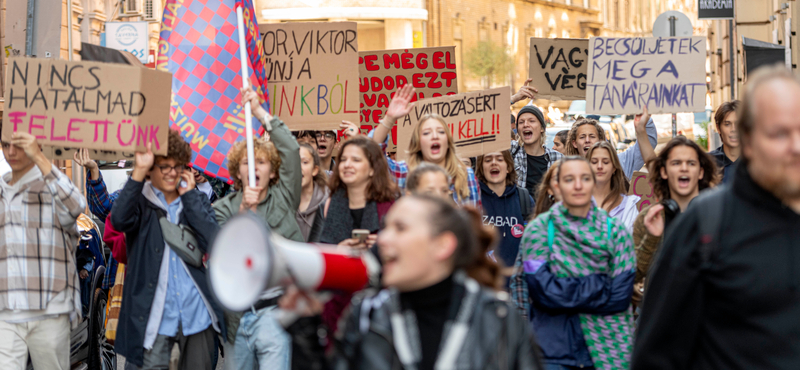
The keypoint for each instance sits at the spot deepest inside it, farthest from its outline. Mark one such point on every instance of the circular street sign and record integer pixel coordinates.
(683, 26)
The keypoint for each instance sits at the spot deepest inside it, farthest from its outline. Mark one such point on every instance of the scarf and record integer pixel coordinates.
(339, 222)
(581, 247)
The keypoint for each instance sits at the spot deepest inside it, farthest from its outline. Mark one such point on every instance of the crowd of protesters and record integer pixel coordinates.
(525, 258)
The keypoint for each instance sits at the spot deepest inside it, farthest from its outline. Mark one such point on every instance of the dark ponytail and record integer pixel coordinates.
(474, 239)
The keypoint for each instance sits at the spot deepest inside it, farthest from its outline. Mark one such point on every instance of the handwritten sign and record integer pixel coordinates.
(52, 152)
(641, 187)
(87, 104)
(667, 75)
(432, 72)
(558, 68)
(313, 72)
(477, 120)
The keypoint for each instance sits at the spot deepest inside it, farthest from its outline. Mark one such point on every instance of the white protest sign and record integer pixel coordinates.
(666, 74)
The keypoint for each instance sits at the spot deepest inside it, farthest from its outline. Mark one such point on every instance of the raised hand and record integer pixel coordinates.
(350, 129)
(401, 103)
(525, 92)
(143, 162)
(27, 143)
(640, 122)
(250, 96)
(81, 157)
(653, 220)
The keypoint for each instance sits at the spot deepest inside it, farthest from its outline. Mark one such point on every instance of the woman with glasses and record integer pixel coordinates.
(506, 206)
(432, 142)
(275, 197)
(429, 179)
(326, 143)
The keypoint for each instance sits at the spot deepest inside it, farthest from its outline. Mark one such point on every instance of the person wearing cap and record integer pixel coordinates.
(531, 158)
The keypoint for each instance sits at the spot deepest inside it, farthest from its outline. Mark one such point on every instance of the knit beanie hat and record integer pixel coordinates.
(536, 112)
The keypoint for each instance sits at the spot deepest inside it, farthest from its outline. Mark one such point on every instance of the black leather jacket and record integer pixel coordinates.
(497, 338)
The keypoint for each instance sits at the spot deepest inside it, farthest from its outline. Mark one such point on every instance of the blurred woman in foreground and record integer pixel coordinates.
(433, 314)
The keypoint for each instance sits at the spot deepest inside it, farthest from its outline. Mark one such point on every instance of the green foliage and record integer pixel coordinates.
(702, 138)
(489, 62)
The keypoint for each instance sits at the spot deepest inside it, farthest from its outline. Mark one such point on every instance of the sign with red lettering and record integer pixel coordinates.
(477, 120)
(558, 68)
(641, 187)
(312, 72)
(83, 104)
(432, 71)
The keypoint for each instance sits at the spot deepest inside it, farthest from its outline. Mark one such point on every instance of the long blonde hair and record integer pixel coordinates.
(619, 183)
(452, 164)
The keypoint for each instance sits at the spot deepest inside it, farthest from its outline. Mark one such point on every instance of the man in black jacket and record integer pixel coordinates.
(727, 155)
(729, 298)
(166, 300)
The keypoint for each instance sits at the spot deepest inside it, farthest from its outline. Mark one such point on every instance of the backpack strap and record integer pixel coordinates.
(711, 207)
(550, 233)
(524, 203)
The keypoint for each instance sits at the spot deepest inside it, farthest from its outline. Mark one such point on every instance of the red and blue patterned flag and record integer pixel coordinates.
(199, 45)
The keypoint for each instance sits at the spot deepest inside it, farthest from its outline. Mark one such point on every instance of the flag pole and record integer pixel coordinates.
(248, 116)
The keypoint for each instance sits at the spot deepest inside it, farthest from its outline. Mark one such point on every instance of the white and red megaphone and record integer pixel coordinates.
(247, 259)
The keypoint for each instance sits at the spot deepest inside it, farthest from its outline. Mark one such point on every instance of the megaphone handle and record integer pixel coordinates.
(287, 318)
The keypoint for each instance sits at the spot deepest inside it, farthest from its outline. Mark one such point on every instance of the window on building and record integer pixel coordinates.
(149, 10)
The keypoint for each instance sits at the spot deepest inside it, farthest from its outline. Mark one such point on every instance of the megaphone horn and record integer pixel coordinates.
(247, 259)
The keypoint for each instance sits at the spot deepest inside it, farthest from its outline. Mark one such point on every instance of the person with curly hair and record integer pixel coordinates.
(167, 298)
(258, 339)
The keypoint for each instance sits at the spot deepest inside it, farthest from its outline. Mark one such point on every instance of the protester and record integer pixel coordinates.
(680, 172)
(433, 314)
(258, 340)
(326, 142)
(611, 187)
(548, 192)
(40, 294)
(431, 141)
(585, 132)
(100, 203)
(362, 191)
(506, 206)
(579, 269)
(313, 195)
(166, 299)
(560, 141)
(429, 179)
(307, 137)
(727, 155)
(531, 158)
(723, 292)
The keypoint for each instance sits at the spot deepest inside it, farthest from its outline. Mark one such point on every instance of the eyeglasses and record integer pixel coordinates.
(327, 135)
(167, 169)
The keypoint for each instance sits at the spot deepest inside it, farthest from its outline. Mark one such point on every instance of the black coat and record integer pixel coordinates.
(498, 338)
(740, 310)
(137, 217)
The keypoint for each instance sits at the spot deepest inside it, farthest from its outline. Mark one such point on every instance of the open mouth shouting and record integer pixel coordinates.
(527, 135)
(684, 181)
(436, 148)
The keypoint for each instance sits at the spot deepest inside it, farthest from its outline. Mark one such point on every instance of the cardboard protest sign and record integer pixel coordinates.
(58, 152)
(312, 69)
(87, 104)
(667, 75)
(558, 68)
(477, 120)
(641, 187)
(432, 72)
